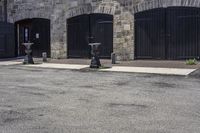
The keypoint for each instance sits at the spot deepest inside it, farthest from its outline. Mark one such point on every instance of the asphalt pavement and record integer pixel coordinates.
(40, 100)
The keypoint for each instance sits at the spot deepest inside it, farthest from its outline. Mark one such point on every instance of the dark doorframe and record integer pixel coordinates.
(36, 30)
(89, 28)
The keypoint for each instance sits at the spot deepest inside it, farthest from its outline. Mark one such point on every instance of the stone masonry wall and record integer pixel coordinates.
(48, 9)
(58, 11)
(123, 35)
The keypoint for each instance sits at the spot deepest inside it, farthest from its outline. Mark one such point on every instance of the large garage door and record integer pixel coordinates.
(101, 30)
(78, 30)
(150, 34)
(7, 40)
(168, 33)
(183, 33)
(85, 29)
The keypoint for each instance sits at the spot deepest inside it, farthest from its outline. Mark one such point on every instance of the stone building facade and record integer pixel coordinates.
(58, 11)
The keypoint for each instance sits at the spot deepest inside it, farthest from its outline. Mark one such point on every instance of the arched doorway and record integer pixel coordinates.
(167, 33)
(36, 30)
(88, 28)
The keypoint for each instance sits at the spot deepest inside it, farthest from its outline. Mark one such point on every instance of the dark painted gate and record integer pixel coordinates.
(78, 30)
(150, 34)
(90, 28)
(101, 30)
(40, 36)
(168, 33)
(183, 33)
(35, 30)
(7, 40)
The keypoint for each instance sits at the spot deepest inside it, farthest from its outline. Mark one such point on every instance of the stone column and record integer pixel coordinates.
(58, 33)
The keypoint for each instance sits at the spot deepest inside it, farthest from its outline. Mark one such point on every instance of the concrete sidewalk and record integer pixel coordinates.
(59, 66)
(164, 71)
(128, 69)
(133, 63)
(151, 70)
(7, 63)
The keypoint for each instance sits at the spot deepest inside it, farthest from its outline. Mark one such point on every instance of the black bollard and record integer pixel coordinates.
(113, 58)
(44, 56)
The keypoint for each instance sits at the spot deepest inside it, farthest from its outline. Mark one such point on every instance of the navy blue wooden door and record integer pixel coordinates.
(101, 30)
(7, 40)
(78, 34)
(168, 33)
(85, 29)
(183, 33)
(40, 36)
(150, 34)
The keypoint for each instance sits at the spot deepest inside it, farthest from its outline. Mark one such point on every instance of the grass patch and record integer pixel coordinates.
(104, 67)
(191, 62)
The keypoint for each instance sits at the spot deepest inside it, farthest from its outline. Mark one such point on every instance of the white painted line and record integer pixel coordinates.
(7, 63)
(165, 71)
(59, 66)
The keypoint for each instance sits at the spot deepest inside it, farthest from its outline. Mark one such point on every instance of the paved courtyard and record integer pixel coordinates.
(36, 100)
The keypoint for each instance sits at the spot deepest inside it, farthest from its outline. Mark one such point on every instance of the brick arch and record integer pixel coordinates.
(146, 5)
(30, 16)
(30, 19)
(29, 13)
